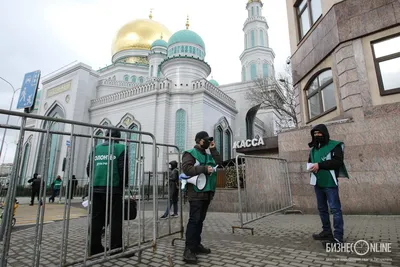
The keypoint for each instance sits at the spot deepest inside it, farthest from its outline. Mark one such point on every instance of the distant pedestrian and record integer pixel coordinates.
(55, 188)
(173, 189)
(36, 180)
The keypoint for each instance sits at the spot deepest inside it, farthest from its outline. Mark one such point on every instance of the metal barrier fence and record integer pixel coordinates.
(265, 188)
(74, 236)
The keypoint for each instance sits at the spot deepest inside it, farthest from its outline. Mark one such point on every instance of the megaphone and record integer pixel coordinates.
(199, 181)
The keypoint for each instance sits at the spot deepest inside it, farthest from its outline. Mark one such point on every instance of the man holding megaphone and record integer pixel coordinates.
(197, 162)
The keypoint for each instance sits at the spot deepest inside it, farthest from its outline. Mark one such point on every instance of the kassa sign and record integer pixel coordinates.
(248, 143)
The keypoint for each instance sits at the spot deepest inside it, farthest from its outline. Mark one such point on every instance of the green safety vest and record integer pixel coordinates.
(205, 160)
(101, 164)
(57, 184)
(327, 178)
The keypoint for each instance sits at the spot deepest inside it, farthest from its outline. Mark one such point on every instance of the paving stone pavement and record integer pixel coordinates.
(278, 240)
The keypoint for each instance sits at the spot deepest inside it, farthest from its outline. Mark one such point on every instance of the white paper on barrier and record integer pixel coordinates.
(85, 203)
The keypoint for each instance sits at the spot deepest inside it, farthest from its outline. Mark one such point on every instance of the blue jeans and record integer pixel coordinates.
(325, 196)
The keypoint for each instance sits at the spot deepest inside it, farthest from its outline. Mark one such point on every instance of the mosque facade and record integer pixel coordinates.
(160, 83)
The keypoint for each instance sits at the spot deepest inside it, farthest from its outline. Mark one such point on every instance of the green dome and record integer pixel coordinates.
(214, 82)
(186, 36)
(159, 42)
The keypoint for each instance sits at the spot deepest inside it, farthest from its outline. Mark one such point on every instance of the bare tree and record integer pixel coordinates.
(278, 95)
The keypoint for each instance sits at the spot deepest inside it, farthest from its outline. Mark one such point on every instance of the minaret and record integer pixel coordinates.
(257, 58)
(157, 55)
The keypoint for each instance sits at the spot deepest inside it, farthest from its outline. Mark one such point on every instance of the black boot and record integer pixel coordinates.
(189, 257)
(202, 250)
(323, 236)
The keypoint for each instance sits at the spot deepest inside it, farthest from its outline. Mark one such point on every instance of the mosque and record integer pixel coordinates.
(160, 83)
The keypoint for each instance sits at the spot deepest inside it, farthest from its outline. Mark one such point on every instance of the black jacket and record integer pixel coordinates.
(337, 153)
(120, 163)
(189, 169)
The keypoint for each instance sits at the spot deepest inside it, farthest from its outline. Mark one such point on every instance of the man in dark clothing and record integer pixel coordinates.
(196, 161)
(115, 190)
(35, 187)
(74, 185)
(326, 166)
(173, 189)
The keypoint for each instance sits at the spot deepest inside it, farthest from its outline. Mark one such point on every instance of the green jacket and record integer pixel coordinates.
(205, 160)
(57, 184)
(327, 177)
(101, 161)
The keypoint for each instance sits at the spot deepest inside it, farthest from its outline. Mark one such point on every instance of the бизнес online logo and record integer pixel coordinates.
(360, 247)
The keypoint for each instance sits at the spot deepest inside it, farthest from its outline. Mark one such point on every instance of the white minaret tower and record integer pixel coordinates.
(157, 55)
(257, 58)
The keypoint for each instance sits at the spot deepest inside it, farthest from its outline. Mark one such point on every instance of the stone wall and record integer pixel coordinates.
(371, 155)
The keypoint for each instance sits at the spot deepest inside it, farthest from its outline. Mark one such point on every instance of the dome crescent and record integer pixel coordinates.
(139, 35)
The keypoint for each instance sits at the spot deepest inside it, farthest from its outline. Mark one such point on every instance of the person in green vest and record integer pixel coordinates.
(197, 161)
(326, 166)
(111, 183)
(55, 188)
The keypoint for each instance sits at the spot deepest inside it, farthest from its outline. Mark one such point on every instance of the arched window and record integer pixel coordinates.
(159, 71)
(140, 79)
(54, 145)
(133, 79)
(114, 78)
(261, 38)
(253, 72)
(265, 70)
(180, 129)
(227, 145)
(250, 117)
(258, 11)
(253, 42)
(219, 139)
(321, 94)
(245, 41)
(252, 11)
(126, 78)
(223, 138)
(243, 74)
(25, 161)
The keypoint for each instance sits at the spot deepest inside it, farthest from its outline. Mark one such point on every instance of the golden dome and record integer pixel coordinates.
(139, 34)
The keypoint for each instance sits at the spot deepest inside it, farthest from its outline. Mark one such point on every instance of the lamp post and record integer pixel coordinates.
(8, 117)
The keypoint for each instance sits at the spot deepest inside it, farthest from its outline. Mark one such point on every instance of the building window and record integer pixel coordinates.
(25, 161)
(252, 11)
(261, 38)
(253, 43)
(151, 70)
(321, 94)
(265, 70)
(126, 78)
(245, 41)
(140, 79)
(243, 74)
(308, 12)
(180, 129)
(223, 138)
(253, 72)
(159, 71)
(133, 79)
(227, 145)
(387, 64)
(258, 11)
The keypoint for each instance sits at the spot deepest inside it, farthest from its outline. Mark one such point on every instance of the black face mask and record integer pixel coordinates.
(206, 144)
(320, 139)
